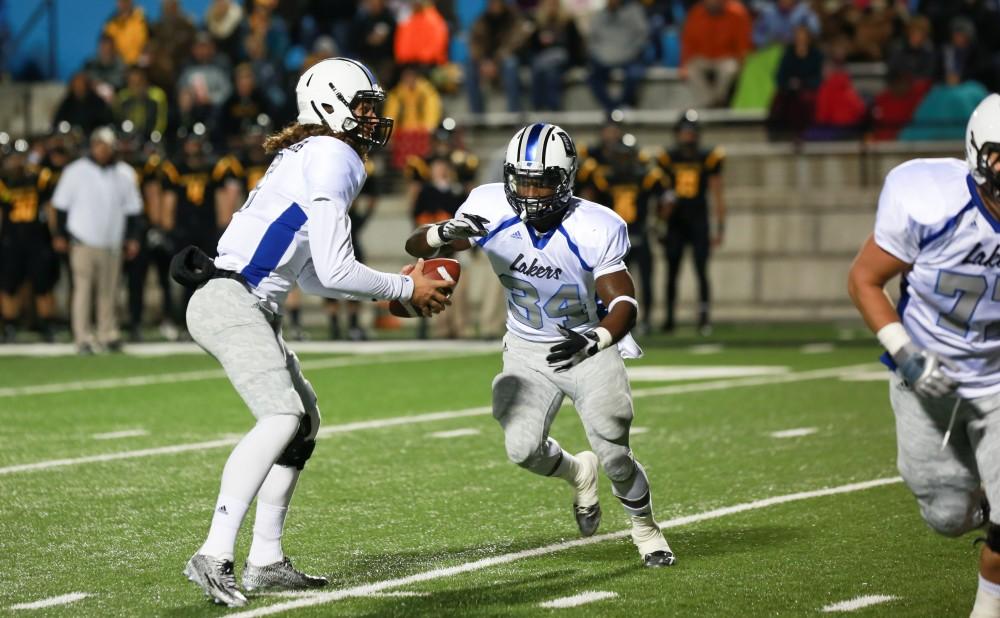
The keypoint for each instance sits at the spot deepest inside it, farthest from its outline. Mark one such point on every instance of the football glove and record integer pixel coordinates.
(574, 350)
(461, 229)
(922, 371)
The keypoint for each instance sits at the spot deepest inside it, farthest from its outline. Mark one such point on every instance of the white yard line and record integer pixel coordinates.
(876, 375)
(64, 599)
(213, 374)
(794, 433)
(321, 598)
(634, 431)
(305, 347)
(817, 348)
(578, 599)
(857, 603)
(125, 433)
(706, 348)
(455, 433)
(677, 389)
(678, 373)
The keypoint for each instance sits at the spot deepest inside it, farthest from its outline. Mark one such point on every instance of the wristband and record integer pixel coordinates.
(625, 299)
(604, 338)
(893, 337)
(434, 237)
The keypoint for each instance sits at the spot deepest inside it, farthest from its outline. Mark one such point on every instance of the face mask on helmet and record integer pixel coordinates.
(537, 194)
(988, 166)
(367, 127)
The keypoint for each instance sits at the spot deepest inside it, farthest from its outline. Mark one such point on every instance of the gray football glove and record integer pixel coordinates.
(921, 370)
(470, 226)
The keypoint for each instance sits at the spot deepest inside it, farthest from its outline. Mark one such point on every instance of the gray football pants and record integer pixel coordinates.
(227, 321)
(528, 393)
(948, 483)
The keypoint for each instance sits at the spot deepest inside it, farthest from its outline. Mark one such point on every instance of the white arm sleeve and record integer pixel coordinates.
(895, 231)
(333, 258)
(613, 258)
(310, 284)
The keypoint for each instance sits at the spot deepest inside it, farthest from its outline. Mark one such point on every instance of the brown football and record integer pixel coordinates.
(444, 269)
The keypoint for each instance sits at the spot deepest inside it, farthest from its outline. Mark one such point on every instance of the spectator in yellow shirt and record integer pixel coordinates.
(128, 29)
(416, 107)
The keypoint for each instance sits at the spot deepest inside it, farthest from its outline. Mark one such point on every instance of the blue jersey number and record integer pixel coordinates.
(526, 306)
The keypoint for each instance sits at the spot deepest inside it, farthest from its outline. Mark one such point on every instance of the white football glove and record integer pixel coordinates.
(471, 226)
(921, 370)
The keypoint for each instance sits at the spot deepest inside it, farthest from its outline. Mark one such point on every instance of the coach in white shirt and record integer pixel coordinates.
(97, 205)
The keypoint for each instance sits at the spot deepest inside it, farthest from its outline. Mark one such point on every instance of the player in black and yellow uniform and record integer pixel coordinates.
(26, 253)
(633, 186)
(445, 143)
(695, 171)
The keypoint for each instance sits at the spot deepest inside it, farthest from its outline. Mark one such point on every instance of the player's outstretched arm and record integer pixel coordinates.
(872, 269)
(427, 240)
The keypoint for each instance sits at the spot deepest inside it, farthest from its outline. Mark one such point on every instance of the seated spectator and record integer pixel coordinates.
(128, 29)
(894, 107)
(840, 110)
(222, 20)
(944, 112)
(873, 28)
(144, 106)
(715, 40)
(776, 22)
(415, 106)
(269, 26)
(423, 37)
(618, 36)
(915, 54)
(240, 111)
(372, 38)
(268, 74)
(964, 56)
(495, 39)
(208, 73)
(81, 107)
(553, 36)
(169, 45)
(106, 70)
(799, 76)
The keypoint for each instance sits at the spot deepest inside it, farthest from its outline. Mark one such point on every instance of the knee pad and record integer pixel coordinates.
(952, 513)
(618, 465)
(300, 449)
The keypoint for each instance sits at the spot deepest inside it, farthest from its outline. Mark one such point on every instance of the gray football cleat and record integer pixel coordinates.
(659, 558)
(279, 576)
(216, 579)
(651, 543)
(586, 508)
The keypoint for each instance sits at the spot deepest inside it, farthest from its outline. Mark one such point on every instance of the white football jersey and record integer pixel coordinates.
(549, 278)
(294, 227)
(930, 215)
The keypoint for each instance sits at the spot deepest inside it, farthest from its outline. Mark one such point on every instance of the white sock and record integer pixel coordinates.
(229, 514)
(267, 529)
(272, 506)
(567, 469)
(987, 600)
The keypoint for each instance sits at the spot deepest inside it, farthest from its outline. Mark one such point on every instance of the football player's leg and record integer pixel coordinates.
(604, 402)
(945, 481)
(267, 566)
(673, 246)
(984, 434)
(224, 319)
(700, 248)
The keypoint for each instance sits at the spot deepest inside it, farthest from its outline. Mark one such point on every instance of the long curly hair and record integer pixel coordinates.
(295, 133)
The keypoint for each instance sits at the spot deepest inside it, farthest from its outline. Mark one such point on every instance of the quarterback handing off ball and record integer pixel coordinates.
(443, 269)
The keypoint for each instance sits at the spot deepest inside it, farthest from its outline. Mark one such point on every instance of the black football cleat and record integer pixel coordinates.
(659, 559)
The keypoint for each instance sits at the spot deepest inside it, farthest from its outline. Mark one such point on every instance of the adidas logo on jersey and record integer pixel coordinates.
(534, 269)
(222, 510)
(516, 234)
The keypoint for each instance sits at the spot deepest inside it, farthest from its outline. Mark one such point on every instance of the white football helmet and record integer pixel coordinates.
(982, 140)
(539, 156)
(343, 94)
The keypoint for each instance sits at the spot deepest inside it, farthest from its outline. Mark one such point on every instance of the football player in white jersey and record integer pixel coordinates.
(571, 304)
(293, 228)
(938, 227)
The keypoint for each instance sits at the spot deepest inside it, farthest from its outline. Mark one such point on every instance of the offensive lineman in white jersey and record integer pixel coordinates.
(293, 228)
(938, 226)
(556, 254)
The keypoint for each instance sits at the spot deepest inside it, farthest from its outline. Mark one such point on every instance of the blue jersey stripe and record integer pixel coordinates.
(503, 226)
(574, 249)
(276, 240)
(978, 201)
(532, 147)
(947, 226)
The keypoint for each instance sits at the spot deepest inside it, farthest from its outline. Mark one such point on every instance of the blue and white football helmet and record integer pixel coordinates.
(539, 156)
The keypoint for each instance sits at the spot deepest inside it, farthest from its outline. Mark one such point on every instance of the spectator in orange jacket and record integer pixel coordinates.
(423, 38)
(715, 40)
(128, 29)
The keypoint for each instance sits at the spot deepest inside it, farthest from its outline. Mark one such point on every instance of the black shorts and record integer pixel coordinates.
(28, 259)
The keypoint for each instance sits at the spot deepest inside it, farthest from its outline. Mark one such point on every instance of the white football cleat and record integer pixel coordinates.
(653, 546)
(215, 577)
(586, 507)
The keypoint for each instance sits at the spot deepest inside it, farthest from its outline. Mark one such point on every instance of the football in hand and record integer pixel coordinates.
(443, 269)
